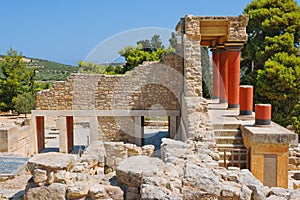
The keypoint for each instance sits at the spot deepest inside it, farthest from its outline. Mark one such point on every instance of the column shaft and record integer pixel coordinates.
(233, 78)
(93, 129)
(216, 75)
(224, 77)
(138, 131)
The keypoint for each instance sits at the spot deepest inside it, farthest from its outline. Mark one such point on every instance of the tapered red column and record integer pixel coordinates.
(224, 76)
(233, 77)
(216, 74)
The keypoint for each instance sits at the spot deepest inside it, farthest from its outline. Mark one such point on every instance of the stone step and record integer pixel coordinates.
(243, 155)
(243, 163)
(231, 146)
(226, 126)
(227, 132)
(229, 140)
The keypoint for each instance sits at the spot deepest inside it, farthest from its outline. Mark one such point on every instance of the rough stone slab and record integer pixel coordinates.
(200, 182)
(273, 134)
(130, 170)
(11, 166)
(52, 161)
(54, 191)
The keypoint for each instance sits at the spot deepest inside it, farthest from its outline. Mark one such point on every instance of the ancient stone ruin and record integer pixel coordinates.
(211, 151)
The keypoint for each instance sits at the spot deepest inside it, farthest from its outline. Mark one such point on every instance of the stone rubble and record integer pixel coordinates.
(186, 170)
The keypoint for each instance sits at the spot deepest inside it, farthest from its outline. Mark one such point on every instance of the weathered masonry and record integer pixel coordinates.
(117, 105)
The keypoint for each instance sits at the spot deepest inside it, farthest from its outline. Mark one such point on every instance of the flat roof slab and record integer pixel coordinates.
(271, 134)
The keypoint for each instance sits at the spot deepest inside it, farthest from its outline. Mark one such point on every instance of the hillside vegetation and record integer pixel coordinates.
(46, 70)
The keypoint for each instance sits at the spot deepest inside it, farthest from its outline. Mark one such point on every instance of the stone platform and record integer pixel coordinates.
(268, 145)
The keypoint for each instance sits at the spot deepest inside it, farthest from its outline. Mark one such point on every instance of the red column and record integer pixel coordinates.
(70, 132)
(216, 74)
(40, 130)
(246, 99)
(263, 114)
(233, 77)
(223, 62)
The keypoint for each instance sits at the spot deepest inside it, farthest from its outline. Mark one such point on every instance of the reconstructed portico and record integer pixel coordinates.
(117, 105)
(225, 36)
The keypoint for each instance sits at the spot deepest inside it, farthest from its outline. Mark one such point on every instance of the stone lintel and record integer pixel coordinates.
(92, 113)
(273, 134)
(212, 31)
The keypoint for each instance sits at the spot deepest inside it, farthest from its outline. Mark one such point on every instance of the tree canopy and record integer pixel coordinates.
(272, 54)
(146, 50)
(16, 78)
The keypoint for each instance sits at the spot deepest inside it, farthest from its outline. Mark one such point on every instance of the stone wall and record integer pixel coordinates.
(15, 139)
(59, 97)
(116, 129)
(150, 86)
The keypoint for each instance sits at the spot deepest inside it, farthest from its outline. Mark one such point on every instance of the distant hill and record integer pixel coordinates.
(46, 70)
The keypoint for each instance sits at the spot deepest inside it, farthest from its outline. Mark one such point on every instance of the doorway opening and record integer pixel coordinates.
(154, 129)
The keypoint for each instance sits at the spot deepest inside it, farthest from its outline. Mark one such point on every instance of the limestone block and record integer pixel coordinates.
(54, 191)
(175, 185)
(157, 181)
(154, 192)
(230, 190)
(61, 176)
(171, 149)
(77, 190)
(200, 182)
(274, 197)
(78, 168)
(245, 193)
(246, 178)
(130, 170)
(94, 155)
(114, 192)
(133, 150)
(51, 161)
(39, 176)
(280, 192)
(295, 195)
(97, 192)
(148, 150)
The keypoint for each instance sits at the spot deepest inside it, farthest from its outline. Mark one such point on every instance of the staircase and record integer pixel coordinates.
(230, 146)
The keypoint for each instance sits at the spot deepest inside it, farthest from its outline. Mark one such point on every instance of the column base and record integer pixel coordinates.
(245, 112)
(262, 122)
(233, 106)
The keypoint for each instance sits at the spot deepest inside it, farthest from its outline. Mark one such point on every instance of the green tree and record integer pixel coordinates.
(16, 79)
(273, 27)
(173, 41)
(146, 45)
(135, 56)
(206, 73)
(24, 103)
(272, 54)
(156, 43)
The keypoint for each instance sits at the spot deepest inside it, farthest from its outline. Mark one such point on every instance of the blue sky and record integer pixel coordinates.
(68, 30)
